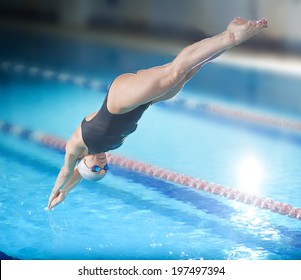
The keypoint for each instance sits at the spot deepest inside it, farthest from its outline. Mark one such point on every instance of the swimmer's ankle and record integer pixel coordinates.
(229, 39)
(226, 40)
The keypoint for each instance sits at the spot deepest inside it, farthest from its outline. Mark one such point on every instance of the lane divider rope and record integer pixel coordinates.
(237, 114)
(161, 173)
(192, 105)
(97, 85)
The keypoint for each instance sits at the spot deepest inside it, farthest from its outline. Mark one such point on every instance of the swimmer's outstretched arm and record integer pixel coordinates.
(68, 175)
(65, 174)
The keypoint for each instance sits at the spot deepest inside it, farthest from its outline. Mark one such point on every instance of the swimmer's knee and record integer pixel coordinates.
(175, 74)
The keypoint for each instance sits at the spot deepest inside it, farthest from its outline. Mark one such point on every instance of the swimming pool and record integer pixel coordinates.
(129, 215)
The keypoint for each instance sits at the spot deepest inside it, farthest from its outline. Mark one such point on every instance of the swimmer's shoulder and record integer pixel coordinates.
(75, 145)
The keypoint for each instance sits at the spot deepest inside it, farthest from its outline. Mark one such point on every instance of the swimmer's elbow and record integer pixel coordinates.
(69, 146)
(65, 172)
(73, 148)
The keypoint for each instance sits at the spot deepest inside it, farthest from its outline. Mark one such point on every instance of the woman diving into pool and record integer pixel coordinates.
(128, 97)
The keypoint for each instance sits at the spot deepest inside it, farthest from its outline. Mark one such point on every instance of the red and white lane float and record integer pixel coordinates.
(161, 173)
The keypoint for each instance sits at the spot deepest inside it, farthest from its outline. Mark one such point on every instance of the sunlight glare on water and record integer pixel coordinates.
(250, 173)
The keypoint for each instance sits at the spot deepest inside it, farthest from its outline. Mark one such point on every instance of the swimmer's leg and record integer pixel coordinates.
(129, 91)
(173, 92)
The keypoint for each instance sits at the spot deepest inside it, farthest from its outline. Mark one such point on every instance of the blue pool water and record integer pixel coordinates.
(132, 216)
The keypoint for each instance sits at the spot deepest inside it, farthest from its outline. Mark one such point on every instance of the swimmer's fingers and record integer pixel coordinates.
(56, 200)
(52, 197)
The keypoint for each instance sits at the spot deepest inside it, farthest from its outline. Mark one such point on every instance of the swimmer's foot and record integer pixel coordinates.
(240, 30)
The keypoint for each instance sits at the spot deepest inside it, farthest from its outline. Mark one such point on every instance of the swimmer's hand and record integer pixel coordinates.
(59, 194)
(56, 198)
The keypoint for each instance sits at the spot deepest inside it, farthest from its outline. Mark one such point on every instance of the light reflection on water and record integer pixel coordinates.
(250, 173)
